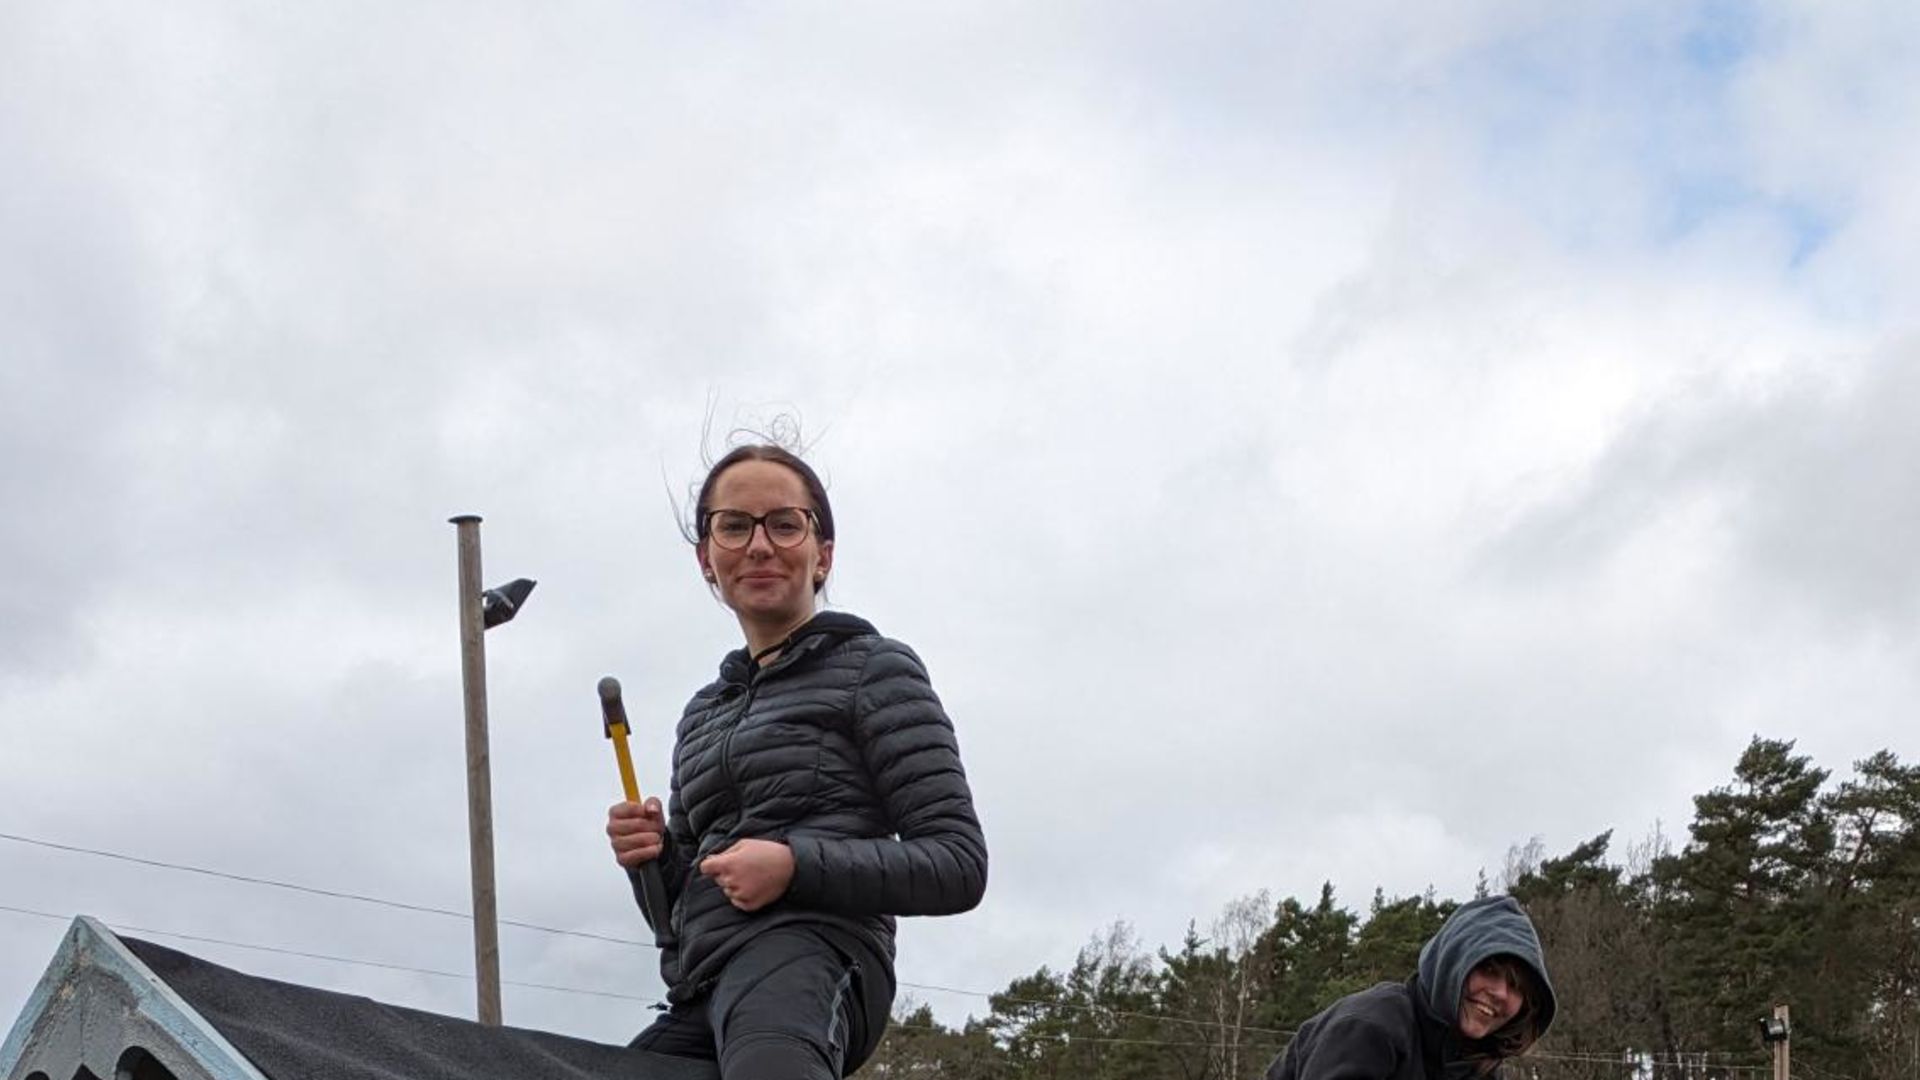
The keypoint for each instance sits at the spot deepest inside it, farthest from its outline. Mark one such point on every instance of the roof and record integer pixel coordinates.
(120, 1006)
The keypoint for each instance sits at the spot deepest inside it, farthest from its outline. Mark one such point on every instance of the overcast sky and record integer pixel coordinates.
(1303, 444)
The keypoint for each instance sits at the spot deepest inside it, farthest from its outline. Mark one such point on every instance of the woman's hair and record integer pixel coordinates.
(696, 530)
(1516, 1035)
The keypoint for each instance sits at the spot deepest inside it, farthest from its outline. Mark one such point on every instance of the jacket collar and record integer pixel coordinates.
(824, 629)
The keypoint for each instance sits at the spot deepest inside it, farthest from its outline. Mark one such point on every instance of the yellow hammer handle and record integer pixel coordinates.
(625, 758)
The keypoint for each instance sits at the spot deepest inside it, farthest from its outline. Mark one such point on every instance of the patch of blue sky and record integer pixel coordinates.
(1723, 33)
(1623, 132)
(1696, 201)
(1607, 126)
(1811, 226)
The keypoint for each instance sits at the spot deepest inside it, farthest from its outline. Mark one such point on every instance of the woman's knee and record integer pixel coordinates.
(777, 1056)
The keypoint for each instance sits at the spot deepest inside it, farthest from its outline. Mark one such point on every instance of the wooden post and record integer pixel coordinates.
(473, 676)
(1781, 1053)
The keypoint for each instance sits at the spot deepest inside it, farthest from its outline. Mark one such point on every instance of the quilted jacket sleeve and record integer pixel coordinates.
(936, 863)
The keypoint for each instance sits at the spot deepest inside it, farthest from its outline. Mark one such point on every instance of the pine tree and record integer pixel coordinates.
(1742, 898)
(1866, 1019)
(1308, 953)
(1387, 948)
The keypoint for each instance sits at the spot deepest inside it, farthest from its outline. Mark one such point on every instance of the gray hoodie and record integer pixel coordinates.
(1480, 930)
(1410, 1030)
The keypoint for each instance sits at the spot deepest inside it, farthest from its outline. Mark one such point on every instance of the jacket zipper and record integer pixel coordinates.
(726, 751)
(746, 704)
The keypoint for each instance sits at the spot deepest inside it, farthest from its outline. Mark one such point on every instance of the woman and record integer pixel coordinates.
(817, 793)
(1481, 996)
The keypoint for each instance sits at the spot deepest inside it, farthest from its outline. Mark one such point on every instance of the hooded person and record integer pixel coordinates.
(1480, 996)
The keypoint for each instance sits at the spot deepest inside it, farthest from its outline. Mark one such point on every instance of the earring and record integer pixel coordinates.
(710, 576)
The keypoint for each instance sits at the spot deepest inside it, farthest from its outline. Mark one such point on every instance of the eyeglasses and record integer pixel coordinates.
(787, 526)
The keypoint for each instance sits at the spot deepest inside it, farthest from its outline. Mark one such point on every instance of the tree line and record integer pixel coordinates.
(1789, 889)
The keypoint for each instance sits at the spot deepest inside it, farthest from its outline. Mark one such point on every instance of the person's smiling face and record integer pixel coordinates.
(1490, 999)
(770, 587)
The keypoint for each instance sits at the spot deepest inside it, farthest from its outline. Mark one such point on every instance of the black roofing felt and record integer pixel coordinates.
(293, 1032)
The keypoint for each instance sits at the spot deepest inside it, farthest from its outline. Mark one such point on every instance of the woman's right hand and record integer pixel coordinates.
(638, 832)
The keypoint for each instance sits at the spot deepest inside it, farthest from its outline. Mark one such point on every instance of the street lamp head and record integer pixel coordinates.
(502, 603)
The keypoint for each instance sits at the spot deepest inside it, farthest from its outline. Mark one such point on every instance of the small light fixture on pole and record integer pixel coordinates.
(479, 612)
(1776, 1032)
(501, 603)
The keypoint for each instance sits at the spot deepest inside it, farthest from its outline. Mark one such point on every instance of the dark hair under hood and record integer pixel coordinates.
(1477, 931)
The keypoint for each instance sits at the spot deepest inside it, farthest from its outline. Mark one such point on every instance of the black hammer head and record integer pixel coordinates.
(612, 711)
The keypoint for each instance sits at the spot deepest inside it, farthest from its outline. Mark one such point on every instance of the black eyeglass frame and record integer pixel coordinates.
(760, 522)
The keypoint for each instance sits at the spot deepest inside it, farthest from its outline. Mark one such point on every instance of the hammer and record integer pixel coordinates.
(652, 888)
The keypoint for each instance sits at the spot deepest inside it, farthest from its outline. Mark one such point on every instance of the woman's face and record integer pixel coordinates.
(765, 584)
(1488, 1000)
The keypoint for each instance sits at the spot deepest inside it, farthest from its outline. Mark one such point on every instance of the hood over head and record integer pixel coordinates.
(1479, 930)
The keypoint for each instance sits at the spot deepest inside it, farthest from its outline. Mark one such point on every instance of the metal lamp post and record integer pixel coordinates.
(479, 612)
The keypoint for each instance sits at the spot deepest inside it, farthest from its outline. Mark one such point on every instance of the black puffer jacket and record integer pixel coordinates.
(839, 748)
(1409, 1031)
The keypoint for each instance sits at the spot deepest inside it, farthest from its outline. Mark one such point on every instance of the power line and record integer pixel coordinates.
(1067, 1037)
(251, 879)
(313, 890)
(123, 928)
(1064, 1037)
(1108, 1009)
(1626, 1057)
(1634, 1058)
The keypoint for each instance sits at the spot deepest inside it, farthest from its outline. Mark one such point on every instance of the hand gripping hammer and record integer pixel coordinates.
(650, 887)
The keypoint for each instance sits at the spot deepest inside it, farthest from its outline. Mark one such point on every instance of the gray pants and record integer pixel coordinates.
(793, 1004)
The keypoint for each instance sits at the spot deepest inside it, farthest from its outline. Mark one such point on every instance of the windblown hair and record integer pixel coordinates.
(695, 529)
